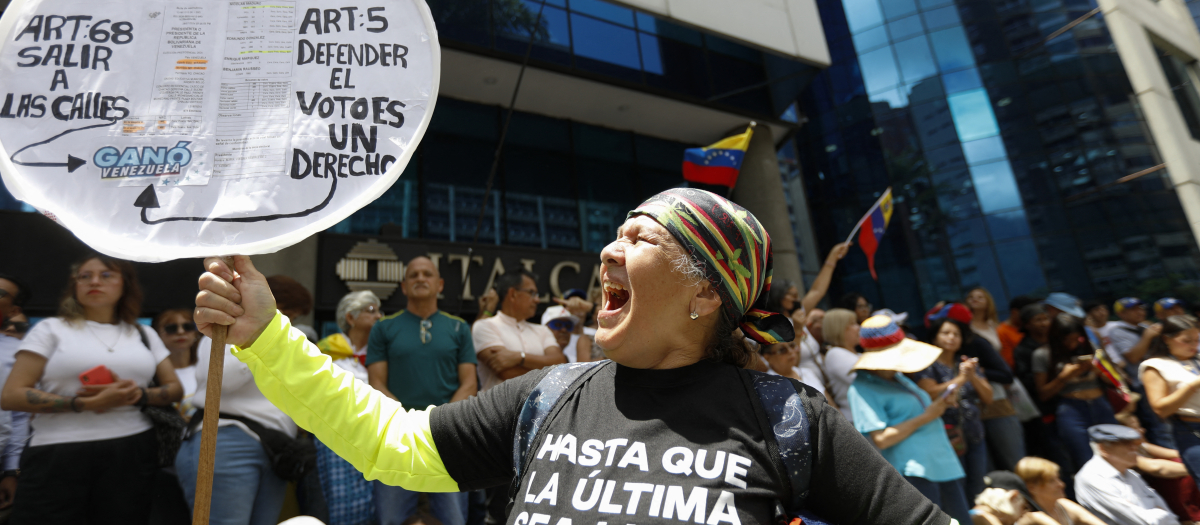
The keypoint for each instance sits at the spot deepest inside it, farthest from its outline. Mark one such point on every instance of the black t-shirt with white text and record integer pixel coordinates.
(635, 446)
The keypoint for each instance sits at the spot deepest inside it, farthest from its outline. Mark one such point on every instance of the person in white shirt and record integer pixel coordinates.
(1110, 488)
(506, 344)
(244, 483)
(93, 451)
(841, 335)
(178, 333)
(1171, 376)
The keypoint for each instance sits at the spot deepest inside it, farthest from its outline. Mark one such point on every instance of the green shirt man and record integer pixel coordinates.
(422, 356)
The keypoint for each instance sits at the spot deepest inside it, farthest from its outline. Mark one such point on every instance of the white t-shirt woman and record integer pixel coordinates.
(73, 348)
(839, 369)
(239, 395)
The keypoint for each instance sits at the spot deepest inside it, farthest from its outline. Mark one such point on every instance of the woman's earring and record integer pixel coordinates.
(694, 316)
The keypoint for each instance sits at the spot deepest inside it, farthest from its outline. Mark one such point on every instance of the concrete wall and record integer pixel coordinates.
(1135, 26)
(790, 27)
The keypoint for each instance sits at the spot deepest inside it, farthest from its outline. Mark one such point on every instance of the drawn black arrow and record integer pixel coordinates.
(149, 199)
(73, 163)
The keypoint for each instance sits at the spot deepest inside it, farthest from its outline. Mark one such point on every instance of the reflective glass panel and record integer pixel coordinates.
(962, 80)
(916, 61)
(973, 117)
(995, 187)
(604, 10)
(941, 17)
(879, 70)
(605, 42)
(952, 49)
(1008, 225)
(651, 55)
(646, 22)
(966, 233)
(862, 14)
(983, 150)
(870, 39)
(905, 28)
(894, 9)
(1021, 268)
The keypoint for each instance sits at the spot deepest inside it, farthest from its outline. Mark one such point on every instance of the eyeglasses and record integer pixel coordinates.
(532, 293)
(426, 334)
(560, 324)
(105, 277)
(370, 309)
(177, 328)
(19, 327)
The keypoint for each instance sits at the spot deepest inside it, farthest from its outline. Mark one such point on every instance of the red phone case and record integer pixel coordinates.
(97, 375)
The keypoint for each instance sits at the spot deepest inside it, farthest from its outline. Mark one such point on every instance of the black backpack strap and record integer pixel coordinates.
(787, 424)
(542, 402)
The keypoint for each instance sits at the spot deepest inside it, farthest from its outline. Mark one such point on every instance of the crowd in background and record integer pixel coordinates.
(1065, 412)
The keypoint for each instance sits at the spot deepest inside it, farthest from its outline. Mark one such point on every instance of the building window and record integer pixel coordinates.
(1181, 75)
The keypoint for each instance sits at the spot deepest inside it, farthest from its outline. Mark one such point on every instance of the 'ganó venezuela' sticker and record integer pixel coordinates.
(148, 162)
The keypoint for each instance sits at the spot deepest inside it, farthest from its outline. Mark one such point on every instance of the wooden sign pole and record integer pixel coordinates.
(208, 433)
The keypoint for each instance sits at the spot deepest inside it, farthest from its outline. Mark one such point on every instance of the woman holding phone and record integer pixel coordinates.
(93, 453)
(963, 421)
(1063, 374)
(902, 420)
(1172, 378)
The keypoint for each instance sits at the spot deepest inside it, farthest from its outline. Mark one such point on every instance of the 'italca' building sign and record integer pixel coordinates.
(349, 263)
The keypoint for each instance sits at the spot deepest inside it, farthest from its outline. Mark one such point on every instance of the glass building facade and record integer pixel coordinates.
(1001, 146)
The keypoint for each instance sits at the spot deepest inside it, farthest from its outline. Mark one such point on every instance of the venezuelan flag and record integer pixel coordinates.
(719, 163)
(874, 223)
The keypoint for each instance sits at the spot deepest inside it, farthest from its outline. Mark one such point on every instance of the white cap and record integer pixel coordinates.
(898, 318)
(558, 312)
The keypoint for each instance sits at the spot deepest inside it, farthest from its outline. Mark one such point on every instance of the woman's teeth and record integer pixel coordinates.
(616, 295)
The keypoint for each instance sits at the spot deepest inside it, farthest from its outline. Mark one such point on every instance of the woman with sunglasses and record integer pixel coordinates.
(178, 333)
(667, 430)
(86, 375)
(1063, 374)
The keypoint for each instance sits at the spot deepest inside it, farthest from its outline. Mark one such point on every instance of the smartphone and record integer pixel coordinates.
(98, 375)
(949, 390)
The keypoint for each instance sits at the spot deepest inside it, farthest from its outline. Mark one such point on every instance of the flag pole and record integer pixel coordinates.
(868, 214)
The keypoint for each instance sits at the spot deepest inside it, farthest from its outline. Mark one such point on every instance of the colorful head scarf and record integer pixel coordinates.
(735, 249)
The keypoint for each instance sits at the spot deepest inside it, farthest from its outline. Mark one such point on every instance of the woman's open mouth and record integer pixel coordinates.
(615, 296)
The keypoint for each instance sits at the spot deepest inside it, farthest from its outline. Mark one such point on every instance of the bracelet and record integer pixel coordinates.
(522, 358)
(75, 408)
(144, 400)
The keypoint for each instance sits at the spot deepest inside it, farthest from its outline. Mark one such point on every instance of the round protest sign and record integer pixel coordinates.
(156, 130)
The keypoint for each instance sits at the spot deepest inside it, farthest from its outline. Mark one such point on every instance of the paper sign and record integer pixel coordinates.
(156, 130)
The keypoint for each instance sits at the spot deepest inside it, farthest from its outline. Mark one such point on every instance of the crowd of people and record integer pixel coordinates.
(1058, 414)
(1086, 419)
(77, 440)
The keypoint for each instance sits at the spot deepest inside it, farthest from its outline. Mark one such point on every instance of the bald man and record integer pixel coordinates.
(421, 356)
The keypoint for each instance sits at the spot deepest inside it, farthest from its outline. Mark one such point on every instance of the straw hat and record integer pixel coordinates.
(886, 348)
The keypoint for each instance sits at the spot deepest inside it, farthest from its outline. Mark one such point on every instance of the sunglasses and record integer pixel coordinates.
(560, 324)
(426, 334)
(19, 327)
(177, 328)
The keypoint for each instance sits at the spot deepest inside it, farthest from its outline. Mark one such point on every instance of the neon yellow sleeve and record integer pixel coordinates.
(366, 428)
